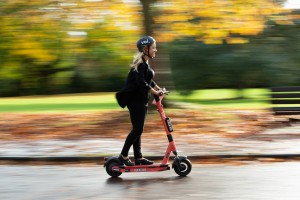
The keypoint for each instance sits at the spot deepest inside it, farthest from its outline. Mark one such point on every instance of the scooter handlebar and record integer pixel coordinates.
(162, 93)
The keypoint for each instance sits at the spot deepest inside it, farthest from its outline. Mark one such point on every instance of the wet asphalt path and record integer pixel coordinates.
(254, 181)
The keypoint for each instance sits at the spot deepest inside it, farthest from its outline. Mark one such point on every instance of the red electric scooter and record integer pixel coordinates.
(182, 166)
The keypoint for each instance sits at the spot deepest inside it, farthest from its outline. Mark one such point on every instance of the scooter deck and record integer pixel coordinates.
(142, 168)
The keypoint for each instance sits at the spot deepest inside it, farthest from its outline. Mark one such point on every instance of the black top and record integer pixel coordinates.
(137, 85)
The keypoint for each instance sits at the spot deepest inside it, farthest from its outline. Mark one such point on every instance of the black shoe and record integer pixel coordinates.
(143, 161)
(126, 162)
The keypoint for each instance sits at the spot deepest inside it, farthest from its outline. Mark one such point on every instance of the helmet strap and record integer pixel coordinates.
(147, 54)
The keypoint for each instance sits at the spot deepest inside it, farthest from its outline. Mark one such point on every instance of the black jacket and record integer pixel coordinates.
(137, 85)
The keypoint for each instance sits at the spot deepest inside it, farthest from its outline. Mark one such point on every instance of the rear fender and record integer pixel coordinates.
(108, 160)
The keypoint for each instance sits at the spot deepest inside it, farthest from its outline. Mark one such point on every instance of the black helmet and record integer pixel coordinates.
(144, 41)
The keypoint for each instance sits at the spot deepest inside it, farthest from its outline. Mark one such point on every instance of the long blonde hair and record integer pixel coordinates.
(138, 59)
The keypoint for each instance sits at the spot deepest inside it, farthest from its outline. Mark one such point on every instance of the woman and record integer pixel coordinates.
(135, 95)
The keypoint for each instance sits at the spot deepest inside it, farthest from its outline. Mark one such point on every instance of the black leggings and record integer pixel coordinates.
(138, 112)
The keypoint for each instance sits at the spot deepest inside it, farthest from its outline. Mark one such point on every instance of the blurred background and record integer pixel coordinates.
(74, 46)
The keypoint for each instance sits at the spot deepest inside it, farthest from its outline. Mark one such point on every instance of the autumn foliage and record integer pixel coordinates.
(116, 124)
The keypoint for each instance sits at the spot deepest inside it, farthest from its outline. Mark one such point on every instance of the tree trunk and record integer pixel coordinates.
(148, 16)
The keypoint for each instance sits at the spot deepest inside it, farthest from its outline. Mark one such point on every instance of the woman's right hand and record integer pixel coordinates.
(156, 92)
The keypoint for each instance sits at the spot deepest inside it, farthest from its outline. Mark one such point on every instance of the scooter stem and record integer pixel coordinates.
(168, 128)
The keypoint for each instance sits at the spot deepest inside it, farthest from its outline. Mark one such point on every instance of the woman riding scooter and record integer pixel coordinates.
(135, 95)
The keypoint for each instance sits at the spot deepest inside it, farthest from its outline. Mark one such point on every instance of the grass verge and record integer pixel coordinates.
(226, 98)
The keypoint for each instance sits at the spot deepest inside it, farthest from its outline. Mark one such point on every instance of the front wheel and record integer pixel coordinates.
(183, 168)
(110, 171)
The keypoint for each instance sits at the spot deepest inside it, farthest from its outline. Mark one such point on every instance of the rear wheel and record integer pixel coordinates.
(110, 171)
(183, 168)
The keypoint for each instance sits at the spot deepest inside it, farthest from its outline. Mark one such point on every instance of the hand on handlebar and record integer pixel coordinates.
(159, 94)
(162, 91)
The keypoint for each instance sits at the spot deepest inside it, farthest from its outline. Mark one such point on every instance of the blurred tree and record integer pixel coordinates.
(278, 45)
(45, 44)
(148, 16)
(269, 59)
(107, 45)
(213, 21)
(32, 41)
(49, 46)
(219, 41)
